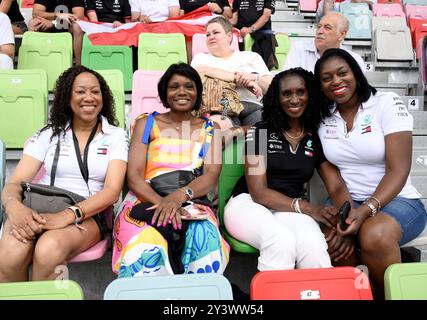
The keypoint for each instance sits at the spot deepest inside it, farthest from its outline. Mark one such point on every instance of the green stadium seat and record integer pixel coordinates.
(114, 80)
(52, 52)
(23, 112)
(2, 174)
(406, 281)
(41, 290)
(109, 57)
(35, 79)
(232, 170)
(157, 51)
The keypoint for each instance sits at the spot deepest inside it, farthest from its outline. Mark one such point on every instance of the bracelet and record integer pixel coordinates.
(295, 205)
(370, 206)
(378, 201)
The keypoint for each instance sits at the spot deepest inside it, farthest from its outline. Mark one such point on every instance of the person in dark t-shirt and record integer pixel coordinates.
(216, 6)
(11, 8)
(116, 12)
(268, 210)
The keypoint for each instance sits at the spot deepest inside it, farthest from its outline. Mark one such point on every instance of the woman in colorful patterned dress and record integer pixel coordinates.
(150, 236)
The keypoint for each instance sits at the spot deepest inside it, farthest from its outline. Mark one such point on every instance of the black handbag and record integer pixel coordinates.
(50, 199)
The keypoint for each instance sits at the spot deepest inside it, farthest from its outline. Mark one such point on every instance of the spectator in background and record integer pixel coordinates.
(253, 19)
(153, 11)
(216, 6)
(116, 12)
(326, 6)
(11, 8)
(59, 16)
(331, 32)
(7, 43)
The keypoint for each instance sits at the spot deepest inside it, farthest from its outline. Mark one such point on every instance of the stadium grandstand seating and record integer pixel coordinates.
(52, 52)
(207, 286)
(406, 281)
(41, 290)
(114, 78)
(109, 57)
(158, 51)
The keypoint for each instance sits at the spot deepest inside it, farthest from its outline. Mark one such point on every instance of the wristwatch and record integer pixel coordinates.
(78, 214)
(189, 192)
(372, 207)
(252, 29)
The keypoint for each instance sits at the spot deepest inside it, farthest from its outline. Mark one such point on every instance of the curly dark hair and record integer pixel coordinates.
(61, 112)
(363, 88)
(184, 70)
(272, 112)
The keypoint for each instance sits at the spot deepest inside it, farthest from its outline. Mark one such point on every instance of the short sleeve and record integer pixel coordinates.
(90, 5)
(38, 145)
(270, 4)
(173, 3)
(256, 139)
(119, 146)
(320, 156)
(126, 9)
(6, 28)
(77, 3)
(260, 65)
(236, 5)
(135, 6)
(395, 116)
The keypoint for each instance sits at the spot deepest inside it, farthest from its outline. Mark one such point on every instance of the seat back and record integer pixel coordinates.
(27, 3)
(415, 2)
(360, 18)
(145, 97)
(52, 52)
(109, 57)
(206, 286)
(385, 42)
(388, 10)
(198, 44)
(387, 22)
(2, 175)
(419, 35)
(231, 171)
(307, 6)
(406, 281)
(282, 49)
(340, 283)
(25, 79)
(114, 79)
(416, 12)
(416, 24)
(23, 112)
(41, 290)
(157, 51)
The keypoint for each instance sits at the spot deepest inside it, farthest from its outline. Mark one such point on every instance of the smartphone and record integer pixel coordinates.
(195, 214)
(343, 213)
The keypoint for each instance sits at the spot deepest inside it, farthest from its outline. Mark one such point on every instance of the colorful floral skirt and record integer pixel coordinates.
(140, 250)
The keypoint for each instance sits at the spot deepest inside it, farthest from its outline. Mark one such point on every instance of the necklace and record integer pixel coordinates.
(351, 114)
(294, 137)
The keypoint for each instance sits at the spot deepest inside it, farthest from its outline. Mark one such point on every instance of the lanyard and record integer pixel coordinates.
(83, 164)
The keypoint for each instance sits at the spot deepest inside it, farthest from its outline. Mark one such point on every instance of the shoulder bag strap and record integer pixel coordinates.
(55, 162)
(148, 127)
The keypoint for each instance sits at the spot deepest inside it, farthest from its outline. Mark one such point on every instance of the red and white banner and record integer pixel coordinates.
(127, 34)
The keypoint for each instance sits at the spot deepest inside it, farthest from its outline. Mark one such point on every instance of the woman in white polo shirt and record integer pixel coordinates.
(82, 117)
(368, 136)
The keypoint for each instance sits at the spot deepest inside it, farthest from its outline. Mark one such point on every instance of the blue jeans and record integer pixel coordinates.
(410, 214)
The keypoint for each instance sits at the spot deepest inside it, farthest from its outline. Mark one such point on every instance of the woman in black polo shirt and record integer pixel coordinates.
(268, 210)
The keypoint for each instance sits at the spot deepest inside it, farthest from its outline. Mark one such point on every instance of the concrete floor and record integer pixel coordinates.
(95, 276)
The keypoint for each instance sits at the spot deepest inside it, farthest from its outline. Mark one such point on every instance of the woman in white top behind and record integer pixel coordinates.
(153, 11)
(82, 117)
(245, 68)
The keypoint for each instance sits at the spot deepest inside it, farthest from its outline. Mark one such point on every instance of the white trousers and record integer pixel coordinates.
(286, 240)
(5, 62)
